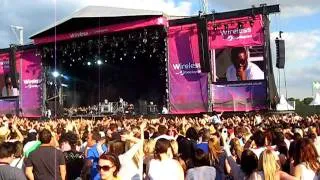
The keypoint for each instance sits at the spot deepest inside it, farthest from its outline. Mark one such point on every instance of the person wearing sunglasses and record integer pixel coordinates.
(108, 167)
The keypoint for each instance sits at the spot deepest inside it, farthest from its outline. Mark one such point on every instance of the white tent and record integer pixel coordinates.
(316, 100)
(284, 105)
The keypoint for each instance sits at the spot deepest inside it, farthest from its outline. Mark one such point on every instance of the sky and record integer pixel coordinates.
(298, 20)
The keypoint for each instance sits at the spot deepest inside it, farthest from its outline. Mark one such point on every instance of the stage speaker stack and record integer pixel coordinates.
(12, 64)
(280, 49)
(203, 45)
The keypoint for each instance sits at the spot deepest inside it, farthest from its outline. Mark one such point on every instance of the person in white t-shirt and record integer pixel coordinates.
(164, 166)
(241, 69)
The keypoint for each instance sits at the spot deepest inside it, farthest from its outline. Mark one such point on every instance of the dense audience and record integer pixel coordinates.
(255, 147)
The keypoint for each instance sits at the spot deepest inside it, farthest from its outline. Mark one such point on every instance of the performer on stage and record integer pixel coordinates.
(8, 89)
(241, 69)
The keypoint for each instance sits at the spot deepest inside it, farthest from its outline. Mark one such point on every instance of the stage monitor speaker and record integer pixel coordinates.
(203, 45)
(280, 48)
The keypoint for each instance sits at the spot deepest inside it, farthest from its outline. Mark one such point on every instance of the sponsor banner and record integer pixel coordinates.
(31, 91)
(245, 31)
(188, 87)
(242, 96)
(103, 30)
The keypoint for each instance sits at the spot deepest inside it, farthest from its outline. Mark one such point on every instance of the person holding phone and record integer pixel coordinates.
(241, 69)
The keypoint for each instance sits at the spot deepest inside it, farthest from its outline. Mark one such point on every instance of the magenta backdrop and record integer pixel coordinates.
(31, 92)
(188, 87)
(251, 34)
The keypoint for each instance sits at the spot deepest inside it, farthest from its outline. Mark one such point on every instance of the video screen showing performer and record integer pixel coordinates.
(8, 89)
(239, 64)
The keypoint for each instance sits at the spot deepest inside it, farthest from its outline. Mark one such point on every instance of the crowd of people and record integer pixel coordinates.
(253, 147)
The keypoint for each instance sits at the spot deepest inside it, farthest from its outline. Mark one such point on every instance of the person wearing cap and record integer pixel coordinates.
(95, 152)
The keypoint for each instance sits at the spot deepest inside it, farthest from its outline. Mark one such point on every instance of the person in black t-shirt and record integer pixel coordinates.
(74, 159)
(46, 162)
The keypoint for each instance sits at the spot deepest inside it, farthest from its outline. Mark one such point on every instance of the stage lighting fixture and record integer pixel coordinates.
(64, 76)
(55, 74)
(64, 85)
(89, 63)
(226, 27)
(145, 40)
(99, 62)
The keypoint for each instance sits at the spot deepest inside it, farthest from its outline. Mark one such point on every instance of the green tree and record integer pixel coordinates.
(291, 99)
(307, 100)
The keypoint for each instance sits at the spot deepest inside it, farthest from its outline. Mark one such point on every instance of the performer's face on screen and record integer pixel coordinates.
(241, 61)
(8, 81)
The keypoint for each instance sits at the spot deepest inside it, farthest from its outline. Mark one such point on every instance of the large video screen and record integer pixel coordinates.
(239, 96)
(239, 64)
(239, 79)
(8, 82)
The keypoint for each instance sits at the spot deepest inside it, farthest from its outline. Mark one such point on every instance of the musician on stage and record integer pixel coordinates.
(241, 69)
(8, 89)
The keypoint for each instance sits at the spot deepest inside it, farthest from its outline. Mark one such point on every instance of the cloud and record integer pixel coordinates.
(289, 8)
(302, 62)
(168, 6)
(299, 80)
(300, 46)
(36, 14)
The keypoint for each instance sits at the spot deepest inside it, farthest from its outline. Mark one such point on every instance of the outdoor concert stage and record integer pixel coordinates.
(113, 58)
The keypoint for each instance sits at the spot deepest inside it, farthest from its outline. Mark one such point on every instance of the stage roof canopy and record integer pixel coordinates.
(94, 16)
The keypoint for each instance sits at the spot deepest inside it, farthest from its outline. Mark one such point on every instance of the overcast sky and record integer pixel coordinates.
(298, 19)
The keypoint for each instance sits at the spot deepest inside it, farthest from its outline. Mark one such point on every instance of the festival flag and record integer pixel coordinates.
(316, 85)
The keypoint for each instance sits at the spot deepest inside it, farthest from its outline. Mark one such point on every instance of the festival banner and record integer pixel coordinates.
(188, 87)
(31, 91)
(103, 30)
(244, 31)
(239, 96)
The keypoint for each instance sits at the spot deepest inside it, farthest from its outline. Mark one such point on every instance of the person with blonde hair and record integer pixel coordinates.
(148, 150)
(236, 150)
(269, 169)
(217, 157)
